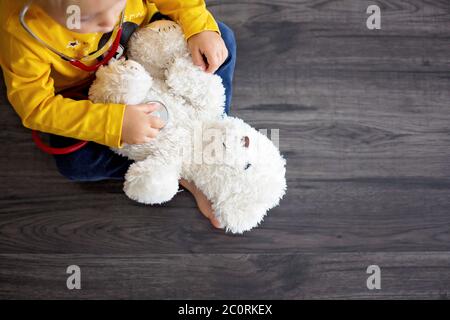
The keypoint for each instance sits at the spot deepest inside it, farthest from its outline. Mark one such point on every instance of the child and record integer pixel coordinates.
(36, 76)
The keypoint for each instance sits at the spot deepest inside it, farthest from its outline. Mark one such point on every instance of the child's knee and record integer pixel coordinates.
(95, 166)
(68, 170)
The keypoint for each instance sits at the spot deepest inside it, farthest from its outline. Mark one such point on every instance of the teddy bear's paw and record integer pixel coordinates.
(151, 184)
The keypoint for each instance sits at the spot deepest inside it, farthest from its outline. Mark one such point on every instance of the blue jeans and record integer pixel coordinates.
(96, 162)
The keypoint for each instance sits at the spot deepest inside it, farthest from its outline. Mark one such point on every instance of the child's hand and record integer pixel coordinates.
(209, 45)
(138, 125)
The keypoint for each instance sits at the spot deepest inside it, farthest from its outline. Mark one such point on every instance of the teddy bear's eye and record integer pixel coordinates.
(248, 165)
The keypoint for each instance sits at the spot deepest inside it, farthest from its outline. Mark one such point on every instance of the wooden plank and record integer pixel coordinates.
(318, 215)
(230, 276)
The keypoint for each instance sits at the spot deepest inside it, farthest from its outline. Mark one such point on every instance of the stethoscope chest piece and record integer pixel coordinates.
(161, 112)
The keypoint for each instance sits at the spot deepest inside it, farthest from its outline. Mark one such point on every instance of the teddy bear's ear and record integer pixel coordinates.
(246, 141)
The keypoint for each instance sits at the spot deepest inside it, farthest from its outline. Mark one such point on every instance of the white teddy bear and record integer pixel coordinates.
(238, 169)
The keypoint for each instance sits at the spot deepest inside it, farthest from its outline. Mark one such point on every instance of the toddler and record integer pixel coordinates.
(41, 81)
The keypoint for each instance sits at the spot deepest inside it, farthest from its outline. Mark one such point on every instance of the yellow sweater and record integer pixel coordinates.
(34, 75)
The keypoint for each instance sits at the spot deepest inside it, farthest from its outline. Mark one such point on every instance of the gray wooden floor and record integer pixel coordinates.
(364, 119)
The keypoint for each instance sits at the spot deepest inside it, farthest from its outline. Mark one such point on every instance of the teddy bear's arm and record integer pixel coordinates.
(202, 90)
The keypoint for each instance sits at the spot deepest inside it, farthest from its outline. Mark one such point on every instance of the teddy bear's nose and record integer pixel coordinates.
(246, 141)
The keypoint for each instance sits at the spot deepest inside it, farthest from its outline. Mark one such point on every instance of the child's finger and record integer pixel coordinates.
(224, 56)
(148, 139)
(225, 53)
(213, 63)
(152, 133)
(156, 122)
(150, 107)
(197, 58)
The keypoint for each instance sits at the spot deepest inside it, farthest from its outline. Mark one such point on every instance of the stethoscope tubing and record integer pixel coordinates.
(73, 61)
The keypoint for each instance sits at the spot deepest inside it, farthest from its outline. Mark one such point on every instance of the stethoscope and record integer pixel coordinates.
(160, 112)
(75, 62)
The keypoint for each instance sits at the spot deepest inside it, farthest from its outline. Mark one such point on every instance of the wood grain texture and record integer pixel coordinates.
(409, 275)
(364, 120)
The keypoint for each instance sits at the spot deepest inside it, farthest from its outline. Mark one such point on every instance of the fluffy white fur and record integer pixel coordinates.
(239, 169)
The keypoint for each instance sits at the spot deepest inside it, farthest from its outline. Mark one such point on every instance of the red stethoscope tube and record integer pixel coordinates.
(50, 150)
(105, 60)
(78, 64)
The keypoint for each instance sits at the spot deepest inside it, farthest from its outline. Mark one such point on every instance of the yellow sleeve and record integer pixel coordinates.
(192, 15)
(30, 90)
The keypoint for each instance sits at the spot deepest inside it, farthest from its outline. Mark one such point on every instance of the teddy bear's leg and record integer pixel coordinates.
(152, 181)
(202, 90)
